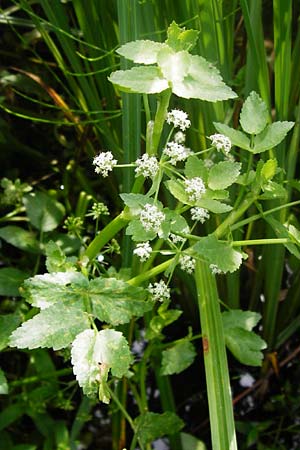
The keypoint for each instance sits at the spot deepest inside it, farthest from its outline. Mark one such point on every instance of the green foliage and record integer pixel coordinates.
(10, 281)
(44, 213)
(150, 426)
(223, 175)
(20, 238)
(177, 358)
(3, 383)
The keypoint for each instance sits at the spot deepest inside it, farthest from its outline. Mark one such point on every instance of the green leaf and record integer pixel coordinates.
(150, 426)
(180, 38)
(143, 79)
(8, 323)
(243, 343)
(22, 239)
(195, 167)
(199, 78)
(47, 289)
(44, 212)
(116, 302)
(177, 358)
(223, 174)
(189, 442)
(3, 383)
(94, 354)
(56, 260)
(254, 115)
(213, 205)
(177, 190)
(282, 232)
(10, 281)
(138, 233)
(56, 327)
(273, 190)
(237, 138)
(269, 169)
(142, 51)
(219, 253)
(272, 135)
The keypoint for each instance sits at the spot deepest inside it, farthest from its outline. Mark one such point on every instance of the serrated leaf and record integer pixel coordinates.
(141, 51)
(44, 212)
(10, 281)
(173, 65)
(56, 327)
(94, 354)
(219, 253)
(177, 358)
(223, 174)
(254, 114)
(180, 38)
(272, 135)
(116, 302)
(20, 238)
(244, 319)
(150, 426)
(3, 383)
(195, 167)
(213, 205)
(237, 137)
(142, 79)
(45, 290)
(8, 323)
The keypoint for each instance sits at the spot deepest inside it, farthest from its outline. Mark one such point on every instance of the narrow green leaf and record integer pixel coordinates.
(143, 79)
(272, 135)
(141, 51)
(44, 212)
(56, 327)
(150, 426)
(223, 174)
(20, 238)
(3, 383)
(177, 358)
(10, 281)
(254, 115)
(237, 138)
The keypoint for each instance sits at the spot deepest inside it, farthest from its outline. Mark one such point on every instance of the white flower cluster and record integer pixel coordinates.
(199, 214)
(159, 291)
(151, 218)
(179, 137)
(179, 119)
(104, 163)
(194, 187)
(146, 166)
(175, 238)
(215, 269)
(221, 142)
(143, 250)
(176, 152)
(187, 263)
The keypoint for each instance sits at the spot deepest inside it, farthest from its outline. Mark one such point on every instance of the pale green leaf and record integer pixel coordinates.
(177, 358)
(10, 281)
(180, 38)
(20, 238)
(272, 135)
(56, 327)
(94, 354)
(44, 290)
(223, 174)
(269, 169)
(189, 442)
(44, 212)
(243, 343)
(236, 137)
(8, 323)
(3, 383)
(150, 426)
(213, 205)
(138, 233)
(142, 79)
(195, 167)
(115, 301)
(219, 253)
(177, 190)
(142, 51)
(174, 65)
(254, 115)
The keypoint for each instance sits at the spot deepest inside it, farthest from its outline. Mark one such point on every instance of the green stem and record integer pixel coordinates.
(160, 117)
(261, 242)
(139, 279)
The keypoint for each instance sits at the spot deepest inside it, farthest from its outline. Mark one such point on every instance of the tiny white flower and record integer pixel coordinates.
(221, 142)
(159, 291)
(175, 238)
(146, 166)
(187, 263)
(194, 187)
(199, 214)
(104, 163)
(215, 269)
(151, 218)
(208, 163)
(176, 152)
(179, 119)
(179, 137)
(143, 250)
